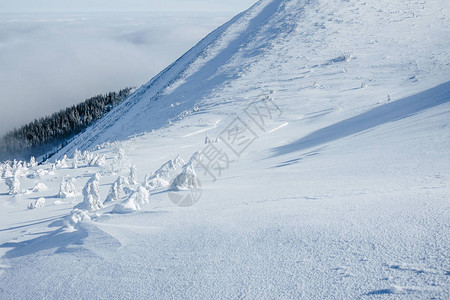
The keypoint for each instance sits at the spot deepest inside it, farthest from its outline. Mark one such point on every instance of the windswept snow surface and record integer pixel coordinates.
(341, 190)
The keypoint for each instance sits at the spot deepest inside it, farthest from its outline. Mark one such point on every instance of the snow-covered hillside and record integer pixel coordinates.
(298, 151)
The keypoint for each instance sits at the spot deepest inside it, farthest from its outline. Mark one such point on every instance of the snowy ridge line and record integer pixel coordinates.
(156, 86)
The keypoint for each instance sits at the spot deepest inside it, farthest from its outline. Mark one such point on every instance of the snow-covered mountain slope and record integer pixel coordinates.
(329, 177)
(328, 48)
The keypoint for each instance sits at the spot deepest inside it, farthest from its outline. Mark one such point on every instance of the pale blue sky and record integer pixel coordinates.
(123, 5)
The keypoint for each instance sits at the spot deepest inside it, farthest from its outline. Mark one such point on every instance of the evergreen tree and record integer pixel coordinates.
(132, 177)
(49, 132)
(91, 195)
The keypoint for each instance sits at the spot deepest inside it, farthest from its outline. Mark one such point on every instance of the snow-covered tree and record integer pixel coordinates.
(39, 187)
(101, 162)
(93, 161)
(164, 174)
(76, 159)
(127, 190)
(67, 188)
(91, 195)
(87, 156)
(14, 183)
(8, 171)
(33, 162)
(53, 169)
(97, 161)
(207, 139)
(118, 162)
(154, 182)
(37, 204)
(171, 168)
(30, 205)
(142, 195)
(116, 188)
(120, 153)
(62, 163)
(134, 201)
(187, 179)
(132, 177)
(114, 167)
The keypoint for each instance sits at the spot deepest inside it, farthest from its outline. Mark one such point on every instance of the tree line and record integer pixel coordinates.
(44, 134)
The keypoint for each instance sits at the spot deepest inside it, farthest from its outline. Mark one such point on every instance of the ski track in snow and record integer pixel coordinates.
(345, 194)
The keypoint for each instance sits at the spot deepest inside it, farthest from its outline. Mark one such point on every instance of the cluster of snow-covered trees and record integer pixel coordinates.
(40, 136)
(137, 193)
(11, 171)
(126, 194)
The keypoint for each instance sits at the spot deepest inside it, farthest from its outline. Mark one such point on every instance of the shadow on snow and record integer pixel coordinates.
(386, 113)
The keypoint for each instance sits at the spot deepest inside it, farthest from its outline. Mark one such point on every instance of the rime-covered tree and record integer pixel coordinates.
(132, 177)
(116, 188)
(91, 195)
(67, 188)
(33, 162)
(134, 201)
(62, 163)
(13, 183)
(187, 179)
(76, 158)
(7, 172)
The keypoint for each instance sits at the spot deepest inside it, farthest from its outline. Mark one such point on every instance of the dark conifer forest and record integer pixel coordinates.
(47, 133)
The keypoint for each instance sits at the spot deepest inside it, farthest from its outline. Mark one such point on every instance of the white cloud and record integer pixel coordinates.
(49, 61)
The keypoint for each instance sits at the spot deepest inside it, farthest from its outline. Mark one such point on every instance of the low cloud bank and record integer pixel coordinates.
(49, 61)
